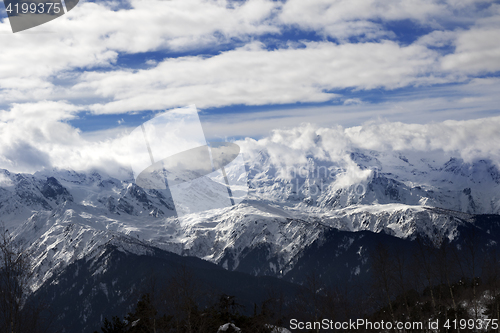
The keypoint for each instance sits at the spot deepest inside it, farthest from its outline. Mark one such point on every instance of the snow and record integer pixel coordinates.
(401, 193)
(225, 327)
(276, 329)
(104, 288)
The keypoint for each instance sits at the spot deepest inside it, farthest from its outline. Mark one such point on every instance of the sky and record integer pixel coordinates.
(72, 88)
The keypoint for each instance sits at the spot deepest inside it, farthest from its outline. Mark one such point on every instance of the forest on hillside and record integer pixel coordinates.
(429, 281)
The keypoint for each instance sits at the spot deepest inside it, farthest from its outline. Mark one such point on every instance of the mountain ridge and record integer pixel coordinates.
(63, 215)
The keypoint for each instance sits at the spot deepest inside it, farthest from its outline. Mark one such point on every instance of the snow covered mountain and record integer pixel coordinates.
(64, 215)
(314, 204)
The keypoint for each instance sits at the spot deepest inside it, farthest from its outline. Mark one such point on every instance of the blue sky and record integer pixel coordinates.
(249, 66)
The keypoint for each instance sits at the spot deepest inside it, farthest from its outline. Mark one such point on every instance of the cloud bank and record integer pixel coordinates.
(49, 144)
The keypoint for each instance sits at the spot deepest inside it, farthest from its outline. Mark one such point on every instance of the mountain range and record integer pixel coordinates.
(317, 213)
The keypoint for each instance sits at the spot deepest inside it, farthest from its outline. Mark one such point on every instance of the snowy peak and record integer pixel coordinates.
(65, 215)
(51, 189)
(372, 177)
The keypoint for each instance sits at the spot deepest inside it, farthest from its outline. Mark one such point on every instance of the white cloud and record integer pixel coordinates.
(31, 142)
(477, 49)
(478, 98)
(5, 181)
(255, 76)
(343, 19)
(438, 38)
(93, 35)
(31, 133)
(470, 140)
(353, 101)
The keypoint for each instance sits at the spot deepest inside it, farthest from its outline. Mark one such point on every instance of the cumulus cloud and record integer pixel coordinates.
(291, 149)
(31, 144)
(95, 34)
(476, 49)
(37, 136)
(344, 19)
(39, 123)
(5, 181)
(24, 157)
(253, 75)
(472, 139)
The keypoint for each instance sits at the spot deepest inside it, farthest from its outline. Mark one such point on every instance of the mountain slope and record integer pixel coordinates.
(64, 216)
(110, 282)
